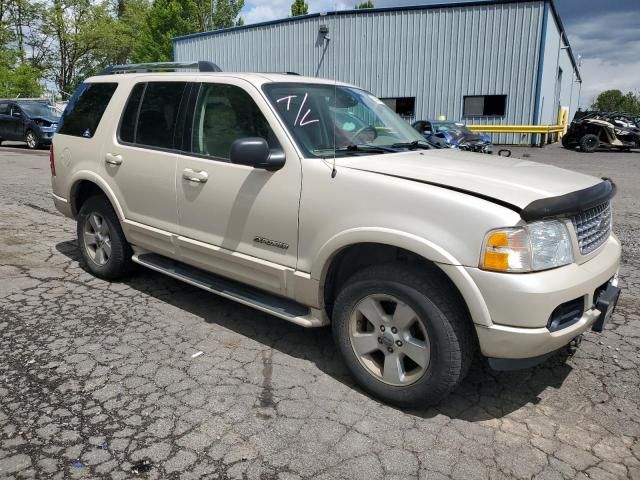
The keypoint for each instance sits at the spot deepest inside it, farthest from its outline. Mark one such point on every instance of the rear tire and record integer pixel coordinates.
(589, 143)
(415, 342)
(105, 250)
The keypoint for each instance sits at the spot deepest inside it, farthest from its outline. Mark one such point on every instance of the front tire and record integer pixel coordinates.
(403, 334)
(589, 143)
(31, 140)
(105, 250)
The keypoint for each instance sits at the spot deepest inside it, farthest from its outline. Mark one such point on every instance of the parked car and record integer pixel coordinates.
(241, 185)
(593, 130)
(33, 122)
(454, 135)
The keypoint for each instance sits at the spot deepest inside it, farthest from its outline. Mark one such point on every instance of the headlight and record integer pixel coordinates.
(533, 247)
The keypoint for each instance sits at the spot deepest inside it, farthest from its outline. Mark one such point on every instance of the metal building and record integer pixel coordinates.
(496, 62)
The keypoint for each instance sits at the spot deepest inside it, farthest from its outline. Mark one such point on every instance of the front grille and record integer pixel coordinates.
(593, 227)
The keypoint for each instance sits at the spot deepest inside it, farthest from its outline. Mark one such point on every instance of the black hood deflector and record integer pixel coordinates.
(570, 203)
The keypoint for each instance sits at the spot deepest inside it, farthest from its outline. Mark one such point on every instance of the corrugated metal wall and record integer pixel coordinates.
(437, 55)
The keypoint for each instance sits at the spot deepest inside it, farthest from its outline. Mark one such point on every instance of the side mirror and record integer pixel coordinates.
(17, 114)
(255, 152)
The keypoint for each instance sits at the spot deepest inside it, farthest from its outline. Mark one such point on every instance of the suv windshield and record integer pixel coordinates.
(39, 110)
(327, 120)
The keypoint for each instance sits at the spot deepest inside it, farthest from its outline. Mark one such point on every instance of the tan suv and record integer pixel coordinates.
(311, 200)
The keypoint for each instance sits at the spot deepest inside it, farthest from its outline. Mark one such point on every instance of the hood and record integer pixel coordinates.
(50, 119)
(511, 182)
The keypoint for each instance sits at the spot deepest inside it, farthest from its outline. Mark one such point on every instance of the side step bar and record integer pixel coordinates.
(258, 299)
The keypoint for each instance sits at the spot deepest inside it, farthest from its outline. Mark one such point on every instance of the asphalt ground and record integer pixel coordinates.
(97, 379)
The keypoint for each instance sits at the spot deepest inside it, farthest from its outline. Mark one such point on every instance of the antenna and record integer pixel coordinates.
(334, 172)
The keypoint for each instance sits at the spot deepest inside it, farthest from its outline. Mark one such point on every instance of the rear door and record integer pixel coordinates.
(140, 161)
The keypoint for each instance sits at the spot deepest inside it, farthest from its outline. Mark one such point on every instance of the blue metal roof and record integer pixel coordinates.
(461, 3)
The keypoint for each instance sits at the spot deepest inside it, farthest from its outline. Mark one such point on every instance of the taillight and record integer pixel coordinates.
(52, 161)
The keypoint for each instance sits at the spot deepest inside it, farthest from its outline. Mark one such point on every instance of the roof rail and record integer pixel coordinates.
(202, 66)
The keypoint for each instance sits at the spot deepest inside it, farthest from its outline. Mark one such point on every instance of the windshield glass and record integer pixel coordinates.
(321, 117)
(39, 110)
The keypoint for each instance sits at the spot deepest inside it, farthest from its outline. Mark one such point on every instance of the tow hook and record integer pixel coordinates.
(574, 344)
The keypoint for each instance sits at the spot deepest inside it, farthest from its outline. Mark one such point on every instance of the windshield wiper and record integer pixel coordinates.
(361, 149)
(366, 148)
(411, 145)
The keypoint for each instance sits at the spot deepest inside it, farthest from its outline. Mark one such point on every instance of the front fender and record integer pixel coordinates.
(413, 243)
(385, 236)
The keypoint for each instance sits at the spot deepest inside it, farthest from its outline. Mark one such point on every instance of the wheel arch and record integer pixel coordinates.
(86, 184)
(349, 257)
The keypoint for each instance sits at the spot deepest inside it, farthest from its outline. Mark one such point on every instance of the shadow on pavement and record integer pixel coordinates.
(483, 395)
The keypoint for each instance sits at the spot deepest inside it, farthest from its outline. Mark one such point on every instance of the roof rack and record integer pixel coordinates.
(202, 66)
(282, 73)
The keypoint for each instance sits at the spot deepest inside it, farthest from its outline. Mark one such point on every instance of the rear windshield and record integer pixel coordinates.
(84, 111)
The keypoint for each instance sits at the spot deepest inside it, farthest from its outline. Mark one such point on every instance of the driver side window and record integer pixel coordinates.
(225, 113)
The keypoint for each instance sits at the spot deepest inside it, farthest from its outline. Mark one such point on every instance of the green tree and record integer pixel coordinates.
(19, 76)
(616, 101)
(20, 81)
(166, 19)
(367, 4)
(225, 13)
(299, 7)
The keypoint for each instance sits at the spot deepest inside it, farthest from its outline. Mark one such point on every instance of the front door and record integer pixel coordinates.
(5, 119)
(16, 124)
(238, 221)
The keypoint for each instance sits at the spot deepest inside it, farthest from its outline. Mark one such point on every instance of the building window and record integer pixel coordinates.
(485, 105)
(403, 106)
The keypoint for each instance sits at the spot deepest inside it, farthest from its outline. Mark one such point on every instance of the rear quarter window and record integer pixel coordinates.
(85, 109)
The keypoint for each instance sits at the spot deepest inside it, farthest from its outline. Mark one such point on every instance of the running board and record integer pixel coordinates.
(236, 291)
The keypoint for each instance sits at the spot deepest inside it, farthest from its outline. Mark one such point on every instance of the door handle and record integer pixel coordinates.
(195, 176)
(112, 159)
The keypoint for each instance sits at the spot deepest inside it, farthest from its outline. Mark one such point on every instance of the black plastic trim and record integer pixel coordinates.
(570, 203)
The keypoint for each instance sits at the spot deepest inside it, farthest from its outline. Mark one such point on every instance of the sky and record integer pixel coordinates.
(605, 33)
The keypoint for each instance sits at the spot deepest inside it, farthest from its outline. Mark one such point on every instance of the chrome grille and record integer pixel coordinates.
(593, 227)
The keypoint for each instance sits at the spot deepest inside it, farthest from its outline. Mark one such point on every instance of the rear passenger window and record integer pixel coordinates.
(4, 109)
(130, 116)
(85, 109)
(156, 124)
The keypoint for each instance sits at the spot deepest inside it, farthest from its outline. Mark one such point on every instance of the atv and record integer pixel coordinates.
(593, 130)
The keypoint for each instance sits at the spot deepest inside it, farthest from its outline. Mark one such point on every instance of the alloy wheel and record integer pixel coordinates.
(389, 339)
(31, 140)
(97, 239)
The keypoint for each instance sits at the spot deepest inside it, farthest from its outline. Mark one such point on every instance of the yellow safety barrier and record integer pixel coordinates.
(517, 128)
(560, 128)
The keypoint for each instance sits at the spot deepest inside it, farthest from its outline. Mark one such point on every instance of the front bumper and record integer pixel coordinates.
(521, 305)
(45, 138)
